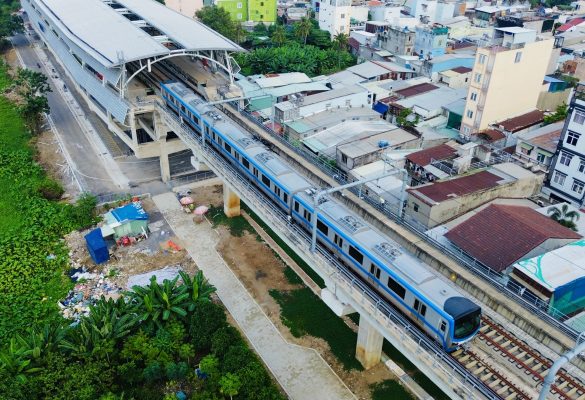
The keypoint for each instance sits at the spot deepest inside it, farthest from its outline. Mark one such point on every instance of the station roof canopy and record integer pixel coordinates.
(111, 38)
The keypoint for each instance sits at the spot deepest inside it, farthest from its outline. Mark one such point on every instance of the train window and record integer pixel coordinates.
(307, 215)
(416, 304)
(356, 255)
(338, 241)
(378, 273)
(285, 197)
(265, 181)
(322, 227)
(277, 191)
(372, 268)
(443, 326)
(207, 130)
(228, 147)
(396, 288)
(182, 108)
(255, 172)
(423, 310)
(245, 163)
(196, 120)
(296, 206)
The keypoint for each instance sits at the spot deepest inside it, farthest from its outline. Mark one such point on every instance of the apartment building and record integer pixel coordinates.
(506, 79)
(335, 16)
(566, 179)
(255, 11)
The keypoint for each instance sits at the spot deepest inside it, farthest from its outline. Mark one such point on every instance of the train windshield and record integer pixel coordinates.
(467, 324)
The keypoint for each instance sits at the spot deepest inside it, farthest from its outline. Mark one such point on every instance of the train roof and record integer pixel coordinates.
(288, 178)
(386, 251)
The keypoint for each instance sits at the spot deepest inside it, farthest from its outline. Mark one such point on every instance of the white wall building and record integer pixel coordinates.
(334, 16)
(566, 180)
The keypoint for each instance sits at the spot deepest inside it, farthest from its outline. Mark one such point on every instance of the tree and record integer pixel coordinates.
(303, 28)
(341, 41)
(559, 115)
(32, 88)
(9, 24)
(218, 19)
(403, 119)
(564, 217)
(239, 33)
(279, 35)
(199, 288)
(229, 384)
(206, 319)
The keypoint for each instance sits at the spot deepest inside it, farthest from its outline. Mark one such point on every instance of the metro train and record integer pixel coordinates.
(441, 311)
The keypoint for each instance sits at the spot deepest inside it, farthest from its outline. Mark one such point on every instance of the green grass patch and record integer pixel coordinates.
(237, 226)
(305, 314)
(292, 277)
(296, 258)
(389, 389)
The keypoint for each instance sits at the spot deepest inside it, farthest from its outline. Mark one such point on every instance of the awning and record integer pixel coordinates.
(526, 146)
(545, 153)
(381, 108)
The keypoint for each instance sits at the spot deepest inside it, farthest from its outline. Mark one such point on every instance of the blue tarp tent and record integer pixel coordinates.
(129, 212)
(98, 249)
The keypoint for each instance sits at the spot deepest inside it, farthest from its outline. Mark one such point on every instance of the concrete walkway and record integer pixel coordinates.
(301, 371)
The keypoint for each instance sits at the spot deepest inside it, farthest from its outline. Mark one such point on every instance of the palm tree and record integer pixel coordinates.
(341, 40)
(564, 217)
(303, 28)
(279, 35)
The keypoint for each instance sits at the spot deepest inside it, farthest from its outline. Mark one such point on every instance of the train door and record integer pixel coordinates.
(374, 276)
(420, 310)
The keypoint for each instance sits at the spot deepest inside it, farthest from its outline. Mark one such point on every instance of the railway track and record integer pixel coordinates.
(521, 356)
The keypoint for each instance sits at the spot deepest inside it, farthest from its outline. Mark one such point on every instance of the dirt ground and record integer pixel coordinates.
(259, 270)
(144, 256)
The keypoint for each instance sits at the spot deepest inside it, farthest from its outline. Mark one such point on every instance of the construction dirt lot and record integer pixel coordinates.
(260, 271)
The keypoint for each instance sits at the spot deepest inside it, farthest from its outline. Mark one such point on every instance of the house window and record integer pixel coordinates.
(559, 178)
(573, 138)
(482, 58)
(477, 78)
(239, 16)
(581, 165)
(239, 5)
(261, 4)
(344, 159)
(577, 186)
(565, 158)
(579, 117)
(473, 96)
(541, 158)
(469, 114)
(415, 207)
(518, 57)
(342, 16)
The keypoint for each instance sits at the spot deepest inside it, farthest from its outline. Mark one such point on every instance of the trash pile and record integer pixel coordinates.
(89, 288)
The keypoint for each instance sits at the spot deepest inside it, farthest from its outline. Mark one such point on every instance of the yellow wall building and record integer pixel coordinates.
(506, 79)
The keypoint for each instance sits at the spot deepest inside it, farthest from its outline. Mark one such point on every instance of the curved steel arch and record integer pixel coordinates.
(179, 54)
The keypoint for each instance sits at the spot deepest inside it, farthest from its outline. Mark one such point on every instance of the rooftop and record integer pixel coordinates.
(523, 121)
(434, 193)
(461, 70)
(433, 100)
(492, 135)
(323, 120)
(500, 235)
(371, 144)
(323, 96)
(368, 70)
(570, 24)
(425, 156)
(416, 90)
(276, 80)
(83, 22)
(546, 137)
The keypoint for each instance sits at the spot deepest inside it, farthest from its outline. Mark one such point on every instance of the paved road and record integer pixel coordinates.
(301, 371)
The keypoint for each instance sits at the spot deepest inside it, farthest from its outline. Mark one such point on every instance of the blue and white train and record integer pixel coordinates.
(442, 312)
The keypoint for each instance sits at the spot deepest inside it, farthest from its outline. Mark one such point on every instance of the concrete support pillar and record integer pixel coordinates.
(231, 202)
(369, 344)
(165, 167)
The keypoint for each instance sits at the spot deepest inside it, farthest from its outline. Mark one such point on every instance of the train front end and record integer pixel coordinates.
(466, 321)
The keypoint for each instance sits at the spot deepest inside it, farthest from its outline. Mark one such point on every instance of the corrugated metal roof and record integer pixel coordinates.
(457, 187)
(522, 121)
(425, 156)
(500, 235)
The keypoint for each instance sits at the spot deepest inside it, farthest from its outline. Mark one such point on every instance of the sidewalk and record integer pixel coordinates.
(301, 371)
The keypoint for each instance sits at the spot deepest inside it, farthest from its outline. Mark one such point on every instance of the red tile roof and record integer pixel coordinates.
(570, 24)
(492, 135)
(453, 188)
(500, 235)
(461, 70)
(522, 121)
(425, 156)
(416, 90)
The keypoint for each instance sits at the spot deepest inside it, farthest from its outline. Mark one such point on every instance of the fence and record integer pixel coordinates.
(514, 291)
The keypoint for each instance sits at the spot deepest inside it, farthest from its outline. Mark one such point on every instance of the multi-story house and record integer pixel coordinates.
(566, 179)
(430, 41)
(254, 11)
(397, 40)
(335, 16)
(506, 79)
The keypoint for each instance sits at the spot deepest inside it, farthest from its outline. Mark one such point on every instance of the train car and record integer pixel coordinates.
(442, 312)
